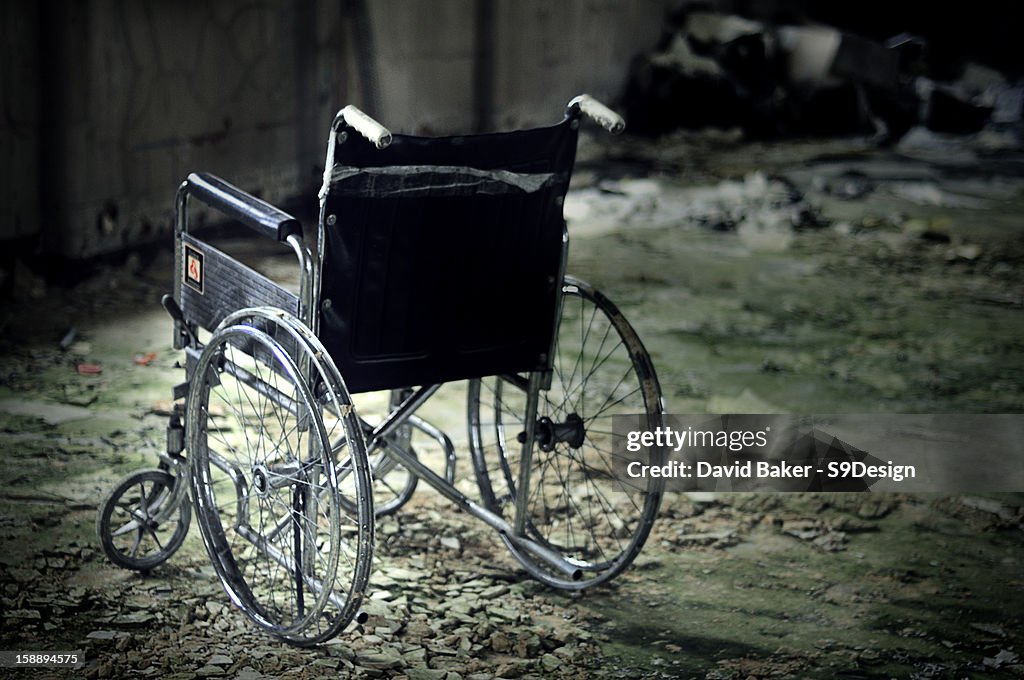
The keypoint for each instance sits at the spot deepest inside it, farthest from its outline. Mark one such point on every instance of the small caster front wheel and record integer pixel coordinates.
(136, 528)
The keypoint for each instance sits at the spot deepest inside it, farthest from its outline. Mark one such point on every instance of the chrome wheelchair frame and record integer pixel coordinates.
(283, 475)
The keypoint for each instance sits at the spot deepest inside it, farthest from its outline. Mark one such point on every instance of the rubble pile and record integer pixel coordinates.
(763, 210)
(442, 606)
(773, 80)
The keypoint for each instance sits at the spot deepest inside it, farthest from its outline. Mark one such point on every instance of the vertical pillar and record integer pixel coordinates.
(483, 65)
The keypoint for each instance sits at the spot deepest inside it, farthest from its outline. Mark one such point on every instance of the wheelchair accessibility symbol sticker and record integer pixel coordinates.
(193, 275)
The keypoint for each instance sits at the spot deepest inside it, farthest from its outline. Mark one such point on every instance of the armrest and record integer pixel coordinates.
(247, 209)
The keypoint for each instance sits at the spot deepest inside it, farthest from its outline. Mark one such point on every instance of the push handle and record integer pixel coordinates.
(238, 205)
(374, 132)
(608, 119)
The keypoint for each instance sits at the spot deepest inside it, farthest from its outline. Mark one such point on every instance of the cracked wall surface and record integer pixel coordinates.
(109, 104)
(151, 91)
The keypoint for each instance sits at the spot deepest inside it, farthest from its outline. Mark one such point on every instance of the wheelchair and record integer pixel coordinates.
(434, 260)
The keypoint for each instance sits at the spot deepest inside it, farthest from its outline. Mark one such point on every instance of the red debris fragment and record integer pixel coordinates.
(89, 369)
(145, 359)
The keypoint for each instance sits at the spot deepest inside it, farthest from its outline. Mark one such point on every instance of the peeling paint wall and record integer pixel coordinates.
(129, 96)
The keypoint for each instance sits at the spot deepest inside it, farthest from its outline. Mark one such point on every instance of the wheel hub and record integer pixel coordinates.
(547, 433)
(259, 480)
(268, 478)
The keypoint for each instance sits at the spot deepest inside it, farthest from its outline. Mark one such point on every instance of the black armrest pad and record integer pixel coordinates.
(238, 205)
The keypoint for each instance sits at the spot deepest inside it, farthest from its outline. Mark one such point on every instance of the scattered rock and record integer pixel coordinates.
(426, 674)
(805, 530)
(1003, 658)
(451, 543)
(380, 660)
(550, 662)
(851, 525)
(1000, 510)
(501, 642)
(990, 628)
(876, 508)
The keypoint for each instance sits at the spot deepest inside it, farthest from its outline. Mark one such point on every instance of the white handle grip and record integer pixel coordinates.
(373, 131)
(608, 119)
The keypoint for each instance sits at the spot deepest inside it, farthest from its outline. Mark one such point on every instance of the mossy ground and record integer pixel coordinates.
(869, 318)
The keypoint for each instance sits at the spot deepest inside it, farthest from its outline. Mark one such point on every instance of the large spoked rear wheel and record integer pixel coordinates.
(275, 445)
(580, 502)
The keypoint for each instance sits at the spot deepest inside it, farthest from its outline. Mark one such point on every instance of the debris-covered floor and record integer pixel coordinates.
(797, 277)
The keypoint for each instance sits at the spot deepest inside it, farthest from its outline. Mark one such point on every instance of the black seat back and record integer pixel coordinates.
(443, 255)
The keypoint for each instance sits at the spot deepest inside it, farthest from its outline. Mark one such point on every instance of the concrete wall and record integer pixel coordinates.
(151, 91)
(548, 52)
(117, 101)
(19, 122)
(542, 54)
